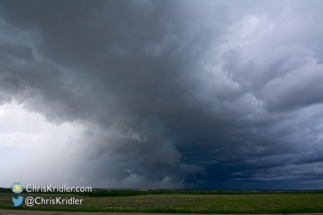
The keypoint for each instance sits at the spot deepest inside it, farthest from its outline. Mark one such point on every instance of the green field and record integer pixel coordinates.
(183, 201)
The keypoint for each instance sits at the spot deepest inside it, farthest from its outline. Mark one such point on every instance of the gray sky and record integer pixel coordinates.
(162, 94)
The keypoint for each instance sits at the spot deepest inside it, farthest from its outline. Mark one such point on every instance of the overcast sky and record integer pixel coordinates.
(162, 94)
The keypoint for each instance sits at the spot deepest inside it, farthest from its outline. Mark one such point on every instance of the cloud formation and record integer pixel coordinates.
(173, 94)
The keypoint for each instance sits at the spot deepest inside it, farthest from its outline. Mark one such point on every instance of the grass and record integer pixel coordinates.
(183, 202)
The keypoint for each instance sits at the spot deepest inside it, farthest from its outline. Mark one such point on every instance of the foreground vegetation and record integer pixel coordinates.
(183, 201)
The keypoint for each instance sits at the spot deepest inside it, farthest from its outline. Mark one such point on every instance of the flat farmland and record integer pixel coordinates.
(169, 202)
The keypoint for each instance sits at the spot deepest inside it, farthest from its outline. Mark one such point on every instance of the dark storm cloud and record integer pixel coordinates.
(174, 93)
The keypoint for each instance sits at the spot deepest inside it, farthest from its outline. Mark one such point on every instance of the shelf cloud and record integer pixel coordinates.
(164, 94)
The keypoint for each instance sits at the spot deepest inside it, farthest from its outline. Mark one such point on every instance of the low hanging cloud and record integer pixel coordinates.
(169, 94)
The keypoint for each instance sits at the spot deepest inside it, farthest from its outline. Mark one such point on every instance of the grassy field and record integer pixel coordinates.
(183, 201)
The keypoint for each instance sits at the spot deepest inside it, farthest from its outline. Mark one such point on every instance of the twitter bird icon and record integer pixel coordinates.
(18, 201)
